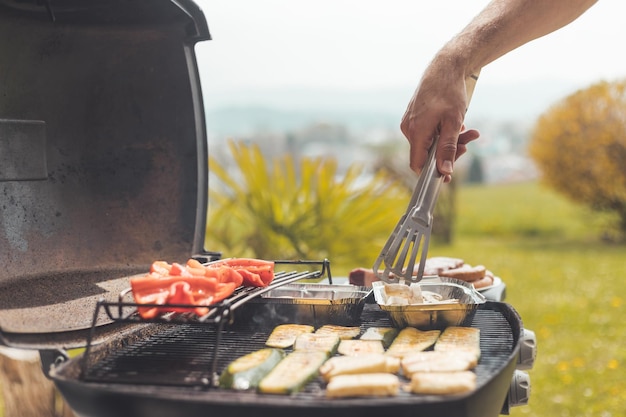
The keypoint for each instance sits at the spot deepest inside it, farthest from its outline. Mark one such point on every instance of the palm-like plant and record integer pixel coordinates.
(300, 209)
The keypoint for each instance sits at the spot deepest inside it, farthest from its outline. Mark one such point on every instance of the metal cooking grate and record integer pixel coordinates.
(207, 334)
(182, 355)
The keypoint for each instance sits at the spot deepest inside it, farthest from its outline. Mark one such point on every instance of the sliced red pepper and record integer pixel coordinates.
(160, 267)
(179, 270)
(196, 291)
(255, 272)
(149, 285)
(181, 293)
(195, 284)
(250, 279)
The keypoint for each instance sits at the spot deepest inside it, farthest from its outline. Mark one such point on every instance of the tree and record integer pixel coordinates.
(475, 172)
(290, 208)
(579, 144)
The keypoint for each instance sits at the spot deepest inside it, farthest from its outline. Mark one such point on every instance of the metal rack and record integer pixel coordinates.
(219, 314)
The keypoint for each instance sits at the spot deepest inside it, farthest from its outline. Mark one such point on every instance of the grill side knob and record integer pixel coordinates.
(528, 350)
(519, 391)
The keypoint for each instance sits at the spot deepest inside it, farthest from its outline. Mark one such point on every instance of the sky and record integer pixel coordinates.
(268, 51)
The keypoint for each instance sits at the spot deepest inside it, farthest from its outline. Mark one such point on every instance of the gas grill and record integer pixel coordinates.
(103, 169)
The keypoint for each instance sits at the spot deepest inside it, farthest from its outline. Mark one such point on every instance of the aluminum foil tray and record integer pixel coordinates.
(434, 315)
(314, 304)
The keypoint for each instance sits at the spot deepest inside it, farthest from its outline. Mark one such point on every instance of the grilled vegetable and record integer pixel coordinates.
(284, 335)
(293, 372)
(312, 341)
(342, 331)
(247, 371)
(411, 340)
(360, 347)
(455, 339)
(384, 334)
(255, 272)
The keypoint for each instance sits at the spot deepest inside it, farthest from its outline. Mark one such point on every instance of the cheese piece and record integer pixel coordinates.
(411, 340)
(442, 383)
(433, 361)
(360, 347)
(365, 364)
(363, 385)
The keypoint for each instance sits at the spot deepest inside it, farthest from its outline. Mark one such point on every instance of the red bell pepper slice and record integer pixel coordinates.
(255, 272)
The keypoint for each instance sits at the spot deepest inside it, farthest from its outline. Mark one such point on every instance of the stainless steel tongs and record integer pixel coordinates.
(412, 232)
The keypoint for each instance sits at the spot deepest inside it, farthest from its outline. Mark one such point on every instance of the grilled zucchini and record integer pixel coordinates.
(411, 340)
(293, 372)
(384, 334)
(455, 339)
(343, 332)
(326, 343)
(245, 372)
(284, 335)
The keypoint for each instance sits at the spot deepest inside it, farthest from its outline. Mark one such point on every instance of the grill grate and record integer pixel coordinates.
(182, 355)
(174, 347)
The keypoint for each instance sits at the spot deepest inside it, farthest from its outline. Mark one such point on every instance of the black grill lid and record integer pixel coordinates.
(103, 157)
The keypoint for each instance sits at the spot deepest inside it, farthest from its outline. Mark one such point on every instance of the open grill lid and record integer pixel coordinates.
(103, 155)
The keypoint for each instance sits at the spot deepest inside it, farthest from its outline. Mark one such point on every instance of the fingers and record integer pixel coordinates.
(465, 137)
(447, 146)
(451, 146)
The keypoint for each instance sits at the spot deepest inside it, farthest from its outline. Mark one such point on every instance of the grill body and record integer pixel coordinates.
(166, 372)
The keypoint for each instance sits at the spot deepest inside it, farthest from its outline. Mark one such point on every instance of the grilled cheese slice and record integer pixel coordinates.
(442, 383)
(433, 361)
(363, 385)
(411, 340)
(360, 347)
(350, 365)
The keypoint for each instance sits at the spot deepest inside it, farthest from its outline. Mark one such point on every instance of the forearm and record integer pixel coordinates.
(504, 25)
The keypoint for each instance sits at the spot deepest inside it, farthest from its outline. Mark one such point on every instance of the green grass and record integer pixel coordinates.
(567, 285)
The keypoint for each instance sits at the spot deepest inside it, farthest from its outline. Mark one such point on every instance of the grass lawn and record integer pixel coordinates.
(567, 286)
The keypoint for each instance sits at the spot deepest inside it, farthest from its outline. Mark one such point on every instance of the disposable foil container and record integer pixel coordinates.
(438, 315)
(313, 304)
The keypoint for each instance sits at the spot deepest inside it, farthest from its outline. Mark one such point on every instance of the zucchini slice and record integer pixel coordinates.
(284, 335)
(384, 334)
(464, 339)
(293, 372)
(343, 332)
(312, 341)
(247, 371)
(411, 340)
